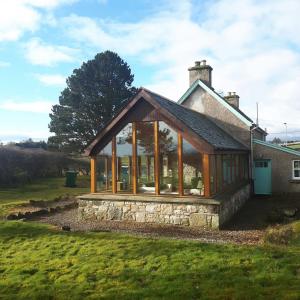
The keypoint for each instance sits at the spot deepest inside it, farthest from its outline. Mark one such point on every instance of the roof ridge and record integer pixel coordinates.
(174, 102)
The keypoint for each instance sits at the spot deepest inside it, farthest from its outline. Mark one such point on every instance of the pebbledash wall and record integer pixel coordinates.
(203, 213)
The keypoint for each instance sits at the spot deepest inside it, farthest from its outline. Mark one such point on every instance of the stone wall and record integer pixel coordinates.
(199, 215)
(233, 203)
(205, 213)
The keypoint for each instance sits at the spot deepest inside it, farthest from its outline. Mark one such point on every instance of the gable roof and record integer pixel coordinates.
(201, 126)
(277, 147)
(236, 111)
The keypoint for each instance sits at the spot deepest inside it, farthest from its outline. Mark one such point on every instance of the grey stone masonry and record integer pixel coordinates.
(151, 212)
(204, 213)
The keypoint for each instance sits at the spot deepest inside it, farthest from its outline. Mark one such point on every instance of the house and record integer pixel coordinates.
(276, 168)
(186, 163)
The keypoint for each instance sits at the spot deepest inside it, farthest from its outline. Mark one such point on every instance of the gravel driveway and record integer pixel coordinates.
(70, 218)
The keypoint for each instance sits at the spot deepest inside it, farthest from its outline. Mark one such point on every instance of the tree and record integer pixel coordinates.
(29, 143)
(276, 140)
(95, 93)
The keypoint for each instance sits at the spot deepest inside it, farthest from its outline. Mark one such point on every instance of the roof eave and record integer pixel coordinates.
(279, 148)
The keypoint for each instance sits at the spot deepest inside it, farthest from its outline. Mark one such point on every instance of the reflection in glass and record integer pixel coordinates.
(168, 144)
(193, 181)
(145, 157)
(104, 163)
(124, 159)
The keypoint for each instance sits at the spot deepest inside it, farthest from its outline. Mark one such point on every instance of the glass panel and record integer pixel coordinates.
(227, 163)
(124, 159)
(297, 173)
(145, 157)
(104, 161)
(212, 167)
(219, 173)
(168, 143)
(192, 170)
(297, 164)
(237, 169)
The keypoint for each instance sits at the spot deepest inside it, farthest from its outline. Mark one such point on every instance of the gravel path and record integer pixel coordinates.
(70, 218)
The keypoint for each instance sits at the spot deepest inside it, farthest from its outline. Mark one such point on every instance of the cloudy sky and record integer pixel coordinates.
(253, 47)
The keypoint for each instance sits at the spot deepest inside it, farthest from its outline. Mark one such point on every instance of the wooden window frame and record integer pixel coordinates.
(134, 176)
(93, 162)
(156, 158)
(180, 164)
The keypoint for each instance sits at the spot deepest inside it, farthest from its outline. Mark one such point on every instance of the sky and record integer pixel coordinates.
(253, 47)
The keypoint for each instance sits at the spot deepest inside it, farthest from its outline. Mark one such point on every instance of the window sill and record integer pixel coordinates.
(294, 180)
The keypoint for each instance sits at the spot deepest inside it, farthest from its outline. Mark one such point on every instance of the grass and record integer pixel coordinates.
(39, 262)
(42, 189)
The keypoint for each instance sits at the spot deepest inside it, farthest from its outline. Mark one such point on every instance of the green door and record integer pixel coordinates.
(263, 177)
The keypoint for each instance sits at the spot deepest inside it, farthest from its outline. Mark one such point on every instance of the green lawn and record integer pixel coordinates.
(37, 262)
(43, 189)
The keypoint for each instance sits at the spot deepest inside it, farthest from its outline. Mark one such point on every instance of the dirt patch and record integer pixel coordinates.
(37, 208)
(69, 219)
(261, 212)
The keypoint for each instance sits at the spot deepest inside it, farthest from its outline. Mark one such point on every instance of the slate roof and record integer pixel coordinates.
(200, 124)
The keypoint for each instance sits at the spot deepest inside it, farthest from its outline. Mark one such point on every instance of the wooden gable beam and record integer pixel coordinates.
(188, 134)
(89, 150)
(200, 144)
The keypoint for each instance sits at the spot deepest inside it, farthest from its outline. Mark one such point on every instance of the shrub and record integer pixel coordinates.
(280, 235)
(20, 165)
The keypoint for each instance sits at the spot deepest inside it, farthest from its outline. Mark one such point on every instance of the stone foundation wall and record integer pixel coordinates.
(196, 214)
(200, 215)
(234, 202)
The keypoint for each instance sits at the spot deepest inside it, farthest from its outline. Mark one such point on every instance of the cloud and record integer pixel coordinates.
(40, 106)
(4, 64)
(51, 79)
(20, 16)
(253, 47)
(40, 53)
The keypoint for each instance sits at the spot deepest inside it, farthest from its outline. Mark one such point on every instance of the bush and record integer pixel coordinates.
(20, 165)
(280, 235)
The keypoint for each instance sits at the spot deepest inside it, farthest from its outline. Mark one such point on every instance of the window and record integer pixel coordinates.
(193, 181)
(145, 157)
(104, 179)
(296, 169)
(124, 159)
(168, 145)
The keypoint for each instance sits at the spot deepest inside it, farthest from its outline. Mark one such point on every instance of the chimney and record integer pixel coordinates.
(233, 99)
(200, 71)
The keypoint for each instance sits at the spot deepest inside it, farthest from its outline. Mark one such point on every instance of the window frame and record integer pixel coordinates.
(293, 169)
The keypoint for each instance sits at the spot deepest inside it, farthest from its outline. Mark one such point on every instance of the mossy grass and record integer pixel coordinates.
(42, 189)
(39, 262)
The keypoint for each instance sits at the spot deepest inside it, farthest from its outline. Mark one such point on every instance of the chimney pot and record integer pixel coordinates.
(200, 71)
(233, 99)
